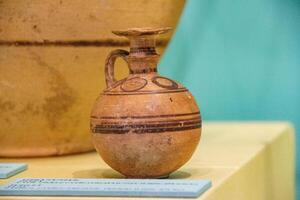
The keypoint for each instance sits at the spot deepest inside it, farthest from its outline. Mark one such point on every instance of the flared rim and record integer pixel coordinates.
(141, 31)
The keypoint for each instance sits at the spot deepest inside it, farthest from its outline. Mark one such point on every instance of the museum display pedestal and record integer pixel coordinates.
(244, 160)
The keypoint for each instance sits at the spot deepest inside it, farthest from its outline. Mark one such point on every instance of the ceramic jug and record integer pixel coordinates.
(145, 125)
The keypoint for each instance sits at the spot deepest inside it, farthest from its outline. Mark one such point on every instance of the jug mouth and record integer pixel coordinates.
(141, 31)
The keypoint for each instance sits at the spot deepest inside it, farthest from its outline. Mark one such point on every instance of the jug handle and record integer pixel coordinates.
(109, 65)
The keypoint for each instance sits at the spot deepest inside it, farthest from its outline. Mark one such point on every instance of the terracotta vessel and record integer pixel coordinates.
(146, 125)
(49, 67)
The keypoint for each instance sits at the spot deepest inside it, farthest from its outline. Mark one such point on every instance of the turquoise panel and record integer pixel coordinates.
(241, 59)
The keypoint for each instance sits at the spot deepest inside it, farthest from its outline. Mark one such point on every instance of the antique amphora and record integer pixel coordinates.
(145, 125)
(50, 71)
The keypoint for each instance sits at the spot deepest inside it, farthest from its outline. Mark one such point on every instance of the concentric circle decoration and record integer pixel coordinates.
(133, 84)
(164, 82)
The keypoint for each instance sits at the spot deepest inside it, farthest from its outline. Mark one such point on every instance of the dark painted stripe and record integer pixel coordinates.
(143, 71)
(145, 126)
(146, 92)
(144, 50)
(74, 43)
(153, 122)
(154, 130)
(147, 116)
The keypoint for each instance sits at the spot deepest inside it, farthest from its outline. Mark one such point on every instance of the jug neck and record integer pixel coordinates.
(142, 55)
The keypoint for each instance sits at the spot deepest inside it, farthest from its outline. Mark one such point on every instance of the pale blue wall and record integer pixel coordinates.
(240, 58)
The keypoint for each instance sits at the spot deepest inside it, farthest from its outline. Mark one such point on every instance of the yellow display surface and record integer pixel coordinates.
(245, 161)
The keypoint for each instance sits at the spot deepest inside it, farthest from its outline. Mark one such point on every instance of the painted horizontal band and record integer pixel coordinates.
(75, 43)
(147, 125)
(146, 116)
(145, 50)
(147, 92)
(138, 121)
(146, 130)
(143, 71)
